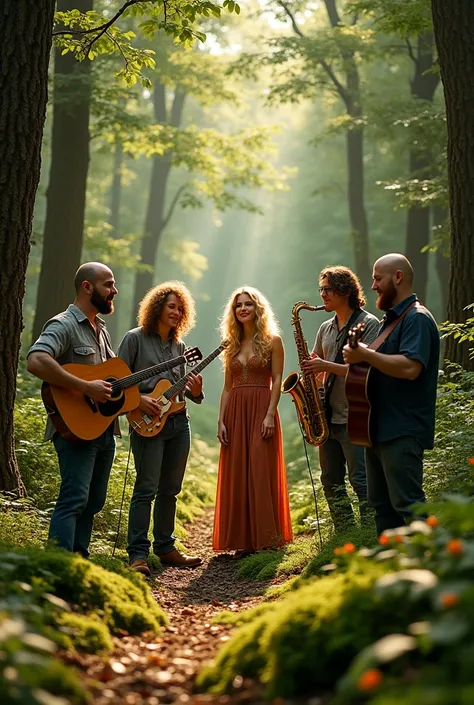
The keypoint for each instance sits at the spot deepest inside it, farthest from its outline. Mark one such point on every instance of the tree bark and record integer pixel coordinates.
(156, 217)
(423, 86)
(454, 33)
(66, 197)
(25, 43)
(439, 217)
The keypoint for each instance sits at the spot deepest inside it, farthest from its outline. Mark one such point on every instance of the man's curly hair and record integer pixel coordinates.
(151, 306)
(344, 281)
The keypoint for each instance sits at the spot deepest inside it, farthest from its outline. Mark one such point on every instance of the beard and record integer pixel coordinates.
(385, 299)
(104, 305)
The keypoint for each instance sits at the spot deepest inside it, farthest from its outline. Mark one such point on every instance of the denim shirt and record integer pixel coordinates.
(70, 337)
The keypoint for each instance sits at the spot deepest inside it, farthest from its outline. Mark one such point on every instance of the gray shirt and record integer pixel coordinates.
(328, 341)
(71, 337)
(140, 350)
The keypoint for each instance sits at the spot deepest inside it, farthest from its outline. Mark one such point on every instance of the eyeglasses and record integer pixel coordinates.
(325, 290)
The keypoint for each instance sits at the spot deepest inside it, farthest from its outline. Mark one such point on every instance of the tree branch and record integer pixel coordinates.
(411, 53)
(327, 68)
(101, 29)
(173, 205)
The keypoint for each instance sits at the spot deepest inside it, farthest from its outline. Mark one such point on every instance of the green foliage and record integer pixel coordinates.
(87, 634)
(462, 332)
(396, 16)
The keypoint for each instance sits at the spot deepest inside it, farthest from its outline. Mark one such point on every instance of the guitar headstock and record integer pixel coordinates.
(192, 355)
(355, 334)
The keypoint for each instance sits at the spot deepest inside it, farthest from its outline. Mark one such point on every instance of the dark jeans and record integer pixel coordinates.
(160, 463)
(85, 469)
(394, 480)
(334, 455)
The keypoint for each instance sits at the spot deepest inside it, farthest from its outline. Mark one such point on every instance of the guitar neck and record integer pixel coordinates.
(142, 375)
(181, 383)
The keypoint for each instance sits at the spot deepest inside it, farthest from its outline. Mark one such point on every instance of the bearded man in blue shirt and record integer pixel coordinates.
(402, 393)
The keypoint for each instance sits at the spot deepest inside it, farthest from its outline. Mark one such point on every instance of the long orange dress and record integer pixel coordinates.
(252, 508)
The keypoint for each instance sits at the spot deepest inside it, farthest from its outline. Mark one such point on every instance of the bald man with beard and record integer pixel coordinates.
(402, 392)
(79, 335)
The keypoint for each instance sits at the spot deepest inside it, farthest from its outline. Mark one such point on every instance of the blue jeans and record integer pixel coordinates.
(85, 469)
(334, 455)
(394, 479)
(160, 463)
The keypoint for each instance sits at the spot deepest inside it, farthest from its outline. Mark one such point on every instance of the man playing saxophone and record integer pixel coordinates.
(342, 293)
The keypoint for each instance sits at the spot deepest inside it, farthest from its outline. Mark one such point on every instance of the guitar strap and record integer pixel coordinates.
(376, 344)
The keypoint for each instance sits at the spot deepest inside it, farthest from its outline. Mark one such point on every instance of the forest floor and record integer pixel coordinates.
(162, 669)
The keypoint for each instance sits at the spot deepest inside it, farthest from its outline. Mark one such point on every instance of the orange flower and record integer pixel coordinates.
(432, 521)
(398, 538)
(384, 540)
(338, 551)
(370, 679)
(449, 599)
(471, 461)
(349, 547)
(455, 547)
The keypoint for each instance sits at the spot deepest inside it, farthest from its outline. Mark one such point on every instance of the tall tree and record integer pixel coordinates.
(25, 42)
(454, 33)
(158, 215)
(66, 196)
(423, 86)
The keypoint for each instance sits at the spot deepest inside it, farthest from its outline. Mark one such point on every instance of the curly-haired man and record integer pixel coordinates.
(342, 293)
(165, 315)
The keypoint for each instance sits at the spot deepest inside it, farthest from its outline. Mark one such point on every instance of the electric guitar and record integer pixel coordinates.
(357, 377)
(78, 417)
(164, 392)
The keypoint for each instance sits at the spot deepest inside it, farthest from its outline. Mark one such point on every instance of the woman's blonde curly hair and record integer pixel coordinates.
(151, 306)
(232, 330)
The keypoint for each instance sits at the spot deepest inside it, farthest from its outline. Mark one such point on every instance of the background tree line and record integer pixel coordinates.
(296, 135)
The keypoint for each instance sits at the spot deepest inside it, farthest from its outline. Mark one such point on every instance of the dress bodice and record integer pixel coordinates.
(251, 374)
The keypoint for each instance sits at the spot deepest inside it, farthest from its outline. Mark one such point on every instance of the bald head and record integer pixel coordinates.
(392, 280)
(393, 263)
(91, 272)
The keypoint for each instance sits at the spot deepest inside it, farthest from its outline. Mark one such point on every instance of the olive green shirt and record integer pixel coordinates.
(71, 337)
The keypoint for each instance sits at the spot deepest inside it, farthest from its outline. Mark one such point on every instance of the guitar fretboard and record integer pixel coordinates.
(148, 372)
(181, 383)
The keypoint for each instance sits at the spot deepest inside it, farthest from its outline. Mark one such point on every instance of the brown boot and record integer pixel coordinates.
(176, 559)
(139, 565)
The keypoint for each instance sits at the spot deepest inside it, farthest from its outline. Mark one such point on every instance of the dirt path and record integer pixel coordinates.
(162, 669)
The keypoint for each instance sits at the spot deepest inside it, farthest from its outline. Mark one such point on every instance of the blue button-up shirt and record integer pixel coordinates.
(402, 407)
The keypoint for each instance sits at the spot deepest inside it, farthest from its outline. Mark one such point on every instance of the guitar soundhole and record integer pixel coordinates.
(113, 406)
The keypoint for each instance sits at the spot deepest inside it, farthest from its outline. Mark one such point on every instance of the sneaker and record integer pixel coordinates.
(140, 565)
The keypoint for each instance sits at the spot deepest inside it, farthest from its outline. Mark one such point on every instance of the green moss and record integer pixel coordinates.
(307, 640)
(122, 602)
(85, 633)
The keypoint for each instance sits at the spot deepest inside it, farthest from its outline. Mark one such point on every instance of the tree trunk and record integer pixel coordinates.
(66, 197)
(454, 34)
(25, 44)
(114, 221)
(352, 98)
(156, 218)
(423, 87)
(439, 217)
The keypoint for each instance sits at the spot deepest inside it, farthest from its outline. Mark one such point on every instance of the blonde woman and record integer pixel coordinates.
(252, 509)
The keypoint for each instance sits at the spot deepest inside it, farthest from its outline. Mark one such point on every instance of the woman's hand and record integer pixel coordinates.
(268, 426)
(149, 405)
(194, 385)
(222, 433)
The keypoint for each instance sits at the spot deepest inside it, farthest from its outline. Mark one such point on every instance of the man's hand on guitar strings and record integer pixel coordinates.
(354, 355)
(98, 390)
(194, 385)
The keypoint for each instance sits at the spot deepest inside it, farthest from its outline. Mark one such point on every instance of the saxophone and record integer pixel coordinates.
(304, 388)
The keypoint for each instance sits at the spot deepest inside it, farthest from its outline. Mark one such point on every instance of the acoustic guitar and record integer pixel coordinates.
(357, 378)
(77, 417)
(164, 392)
